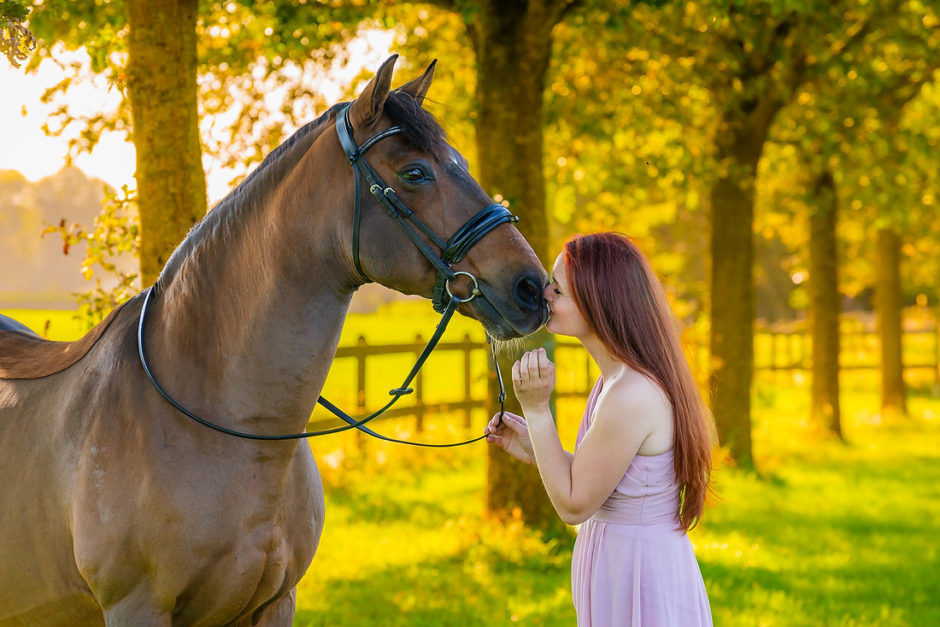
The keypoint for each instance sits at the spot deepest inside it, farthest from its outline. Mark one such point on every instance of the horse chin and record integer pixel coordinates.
(501, 326)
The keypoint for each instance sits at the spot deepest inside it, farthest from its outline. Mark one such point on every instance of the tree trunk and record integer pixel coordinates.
(888, 306)
(513, 43)
(514, 489)
(740, 142)
(732, 315)
(161, 87)
(825, 306)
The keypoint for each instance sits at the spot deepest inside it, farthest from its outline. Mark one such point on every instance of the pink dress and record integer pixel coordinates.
(631, 566)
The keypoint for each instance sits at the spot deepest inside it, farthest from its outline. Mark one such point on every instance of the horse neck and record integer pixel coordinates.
(246, 327)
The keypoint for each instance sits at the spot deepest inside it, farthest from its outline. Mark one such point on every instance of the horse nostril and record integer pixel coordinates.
(528, 293)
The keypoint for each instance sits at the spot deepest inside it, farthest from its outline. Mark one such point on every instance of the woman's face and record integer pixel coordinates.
(564, 316)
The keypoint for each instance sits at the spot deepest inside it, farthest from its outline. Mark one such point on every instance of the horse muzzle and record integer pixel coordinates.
(521, 312)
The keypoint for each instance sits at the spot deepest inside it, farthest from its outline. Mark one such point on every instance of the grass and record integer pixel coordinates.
(835, 535)
(828, 533)
(54, 324)
(406, 543)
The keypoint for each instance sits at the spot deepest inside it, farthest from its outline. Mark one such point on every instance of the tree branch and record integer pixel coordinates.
(855, 38)
(904, 90)
(569, 7)
(447, 5)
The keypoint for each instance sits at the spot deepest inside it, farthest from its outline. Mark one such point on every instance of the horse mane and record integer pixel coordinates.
(420, 129)
(234, 206)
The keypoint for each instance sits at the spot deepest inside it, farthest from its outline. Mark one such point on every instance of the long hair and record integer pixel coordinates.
(621, 299)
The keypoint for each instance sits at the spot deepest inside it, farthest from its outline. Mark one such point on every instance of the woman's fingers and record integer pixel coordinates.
(546, 367)
(493, 425)
(526, 368)
(533, 365)
(509, 421)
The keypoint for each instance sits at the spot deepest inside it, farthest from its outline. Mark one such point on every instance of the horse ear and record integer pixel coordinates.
(367, 107)
(419, 86)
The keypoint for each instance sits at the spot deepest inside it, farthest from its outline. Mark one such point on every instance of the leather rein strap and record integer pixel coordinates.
(446, 303)
(351, 423)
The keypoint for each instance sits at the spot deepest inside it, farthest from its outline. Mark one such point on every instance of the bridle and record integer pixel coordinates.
(452, 250)
(444, 301)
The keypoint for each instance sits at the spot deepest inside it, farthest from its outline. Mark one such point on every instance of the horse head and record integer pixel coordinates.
(415, 190)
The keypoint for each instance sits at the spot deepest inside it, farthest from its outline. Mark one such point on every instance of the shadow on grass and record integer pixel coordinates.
(855, 593)
(376, 508)
(476, 587)
(844, 537)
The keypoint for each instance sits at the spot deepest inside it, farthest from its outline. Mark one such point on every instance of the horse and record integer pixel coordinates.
(116, 508)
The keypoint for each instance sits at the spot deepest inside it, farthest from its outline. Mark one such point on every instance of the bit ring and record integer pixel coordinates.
(474, 291)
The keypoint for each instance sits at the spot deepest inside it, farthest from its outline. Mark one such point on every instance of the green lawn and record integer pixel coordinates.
(55, 324)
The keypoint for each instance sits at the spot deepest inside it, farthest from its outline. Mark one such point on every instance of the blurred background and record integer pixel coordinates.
(776, 160)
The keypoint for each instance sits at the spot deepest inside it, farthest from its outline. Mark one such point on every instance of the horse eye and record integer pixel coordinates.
(414, 174)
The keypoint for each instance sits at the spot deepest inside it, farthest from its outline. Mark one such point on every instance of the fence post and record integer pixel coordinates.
(791, 350)
(419, 389)
(773, 353)
(361, 386)
(589, 384)
(466, 380)
(936, 358)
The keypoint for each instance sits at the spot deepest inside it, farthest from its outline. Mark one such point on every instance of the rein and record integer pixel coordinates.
(444, 301)
(352, 423)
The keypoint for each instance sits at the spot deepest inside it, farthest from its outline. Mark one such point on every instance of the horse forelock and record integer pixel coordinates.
(419, 127)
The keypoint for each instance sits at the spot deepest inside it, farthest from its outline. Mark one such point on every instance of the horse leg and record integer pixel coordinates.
(278, 614)
(137, 608)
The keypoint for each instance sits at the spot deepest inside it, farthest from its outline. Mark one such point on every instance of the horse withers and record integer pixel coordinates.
(115, 508)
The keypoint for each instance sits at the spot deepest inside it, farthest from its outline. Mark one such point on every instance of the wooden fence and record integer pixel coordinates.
(463, 400)
(413, 404)
(790, 348)
(780, 349)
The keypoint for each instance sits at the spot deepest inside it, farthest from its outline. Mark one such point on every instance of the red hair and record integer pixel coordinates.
(621, 299)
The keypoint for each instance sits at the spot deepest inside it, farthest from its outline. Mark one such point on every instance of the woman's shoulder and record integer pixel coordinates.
(632, 388)
(640, 400)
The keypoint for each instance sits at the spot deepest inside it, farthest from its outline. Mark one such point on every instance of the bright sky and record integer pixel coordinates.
(24, 146)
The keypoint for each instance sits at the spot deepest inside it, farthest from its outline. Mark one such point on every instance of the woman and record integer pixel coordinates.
(639, 474)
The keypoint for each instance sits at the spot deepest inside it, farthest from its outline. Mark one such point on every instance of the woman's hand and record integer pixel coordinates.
(512, 436)
(533, 379)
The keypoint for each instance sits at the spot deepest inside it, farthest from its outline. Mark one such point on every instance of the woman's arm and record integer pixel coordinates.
(579, 483)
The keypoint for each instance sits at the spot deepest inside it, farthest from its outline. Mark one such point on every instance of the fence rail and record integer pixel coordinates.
(792, 349)
(776, 350)
(419, 407)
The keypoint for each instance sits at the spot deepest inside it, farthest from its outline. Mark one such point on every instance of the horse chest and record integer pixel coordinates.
(273, 545)
(210, 541)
